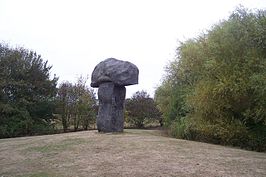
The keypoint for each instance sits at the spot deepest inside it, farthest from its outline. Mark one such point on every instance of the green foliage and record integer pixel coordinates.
(178, 128)
(26, 92)
(76, 104)
(141, 109)
(63, 104)
(218, 84)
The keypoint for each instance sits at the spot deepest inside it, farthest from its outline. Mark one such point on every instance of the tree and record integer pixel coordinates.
(217, 84)
(141, 108)
(64, 104)
(84, 105)
(76, 104)
(87, 108)
(26, 92)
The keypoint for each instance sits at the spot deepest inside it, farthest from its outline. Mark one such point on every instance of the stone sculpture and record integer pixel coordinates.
(111, 76)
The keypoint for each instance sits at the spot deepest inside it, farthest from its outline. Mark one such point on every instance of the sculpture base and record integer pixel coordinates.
(111, 107)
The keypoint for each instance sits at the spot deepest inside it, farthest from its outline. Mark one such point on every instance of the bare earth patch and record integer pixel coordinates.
(132, 153)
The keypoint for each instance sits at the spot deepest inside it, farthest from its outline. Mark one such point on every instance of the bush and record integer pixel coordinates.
(141, 109)
(178, 129)
(217, 84)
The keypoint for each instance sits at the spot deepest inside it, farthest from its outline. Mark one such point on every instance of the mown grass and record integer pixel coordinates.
(39, 174)
(131, 153)
(56, 147)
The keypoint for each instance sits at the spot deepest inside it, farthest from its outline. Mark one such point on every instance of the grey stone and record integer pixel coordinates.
(119, 72)
(111, 76)
(111, 107)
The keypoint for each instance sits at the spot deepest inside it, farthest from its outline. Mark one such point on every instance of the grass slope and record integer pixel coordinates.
(132, 153)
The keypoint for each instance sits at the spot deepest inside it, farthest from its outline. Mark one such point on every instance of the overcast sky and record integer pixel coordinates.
(75, 35)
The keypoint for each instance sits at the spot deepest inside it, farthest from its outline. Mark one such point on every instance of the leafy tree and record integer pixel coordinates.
(76, 104)
(26, 92)
(64, 104)
(217, 84)
(84, 104)
(87, 108)
(141, 108)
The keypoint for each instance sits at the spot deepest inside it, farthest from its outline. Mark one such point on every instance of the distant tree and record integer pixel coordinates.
(26, 92)
(76, 104)
(64, 104)
(84, 105)
(87, 108)
(141, 108)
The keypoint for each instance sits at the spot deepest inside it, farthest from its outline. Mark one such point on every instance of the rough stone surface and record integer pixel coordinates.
(119, 72)
(111, 107)
(111, 76)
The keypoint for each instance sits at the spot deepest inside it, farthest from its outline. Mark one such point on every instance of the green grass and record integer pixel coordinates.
(57, 147)
(39, 174)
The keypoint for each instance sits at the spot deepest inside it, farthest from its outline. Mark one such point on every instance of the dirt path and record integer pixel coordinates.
(132, 153)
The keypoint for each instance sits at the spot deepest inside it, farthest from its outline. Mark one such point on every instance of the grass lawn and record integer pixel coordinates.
(132, 153)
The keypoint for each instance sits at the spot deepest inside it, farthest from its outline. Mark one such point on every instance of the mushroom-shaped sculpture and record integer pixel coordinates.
(111, 76)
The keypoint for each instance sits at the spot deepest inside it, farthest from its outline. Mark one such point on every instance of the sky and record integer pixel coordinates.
(75, 35)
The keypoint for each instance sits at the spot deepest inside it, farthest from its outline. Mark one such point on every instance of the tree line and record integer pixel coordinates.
(215, 89)
(32, 102)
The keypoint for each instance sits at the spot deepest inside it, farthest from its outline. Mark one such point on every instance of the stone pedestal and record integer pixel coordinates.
(111, 107)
